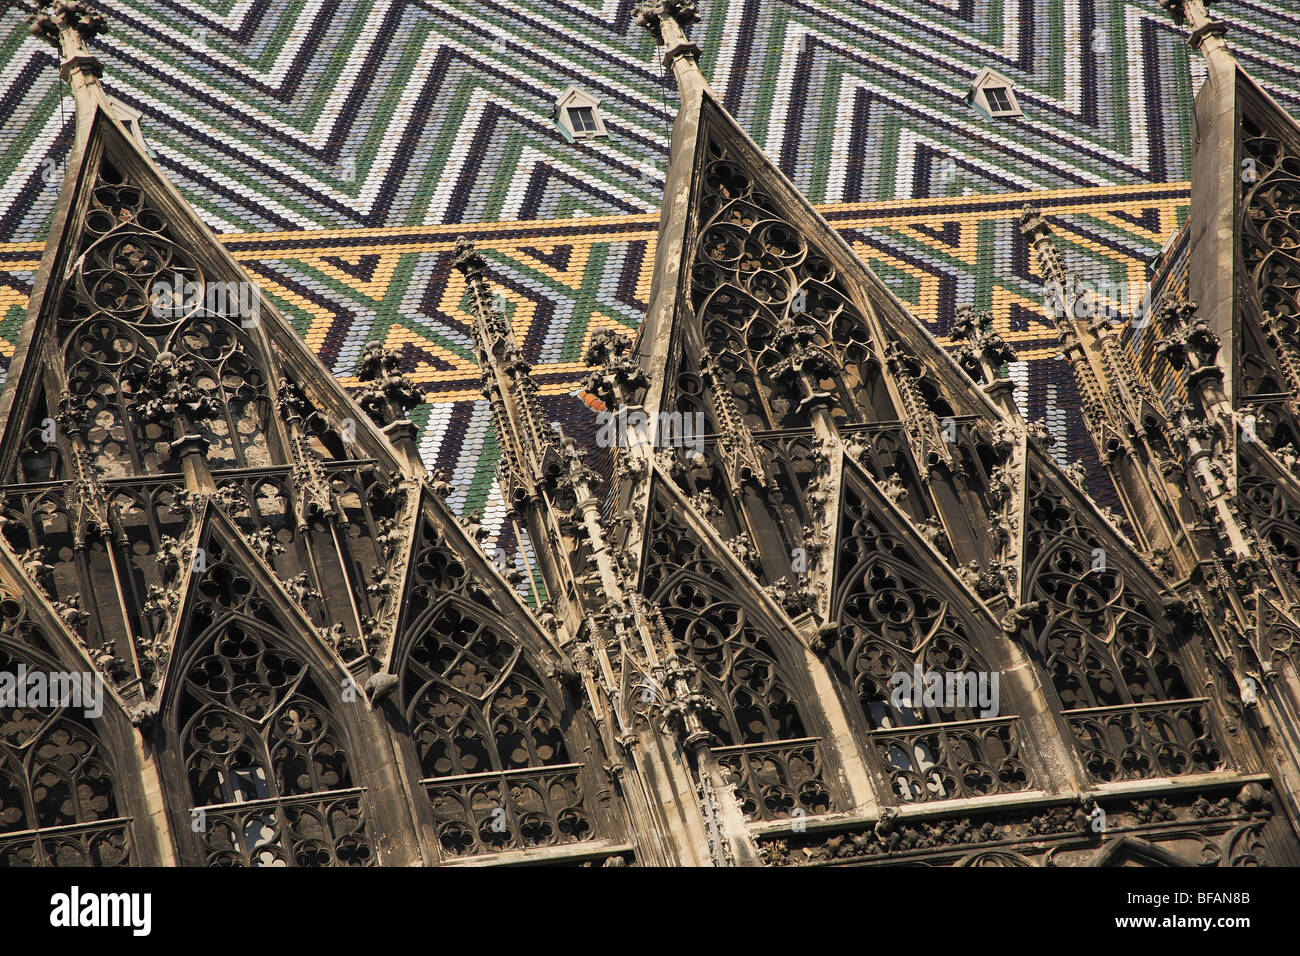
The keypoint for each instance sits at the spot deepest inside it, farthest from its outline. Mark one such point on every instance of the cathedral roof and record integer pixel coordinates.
(294, 116)
(344, 197)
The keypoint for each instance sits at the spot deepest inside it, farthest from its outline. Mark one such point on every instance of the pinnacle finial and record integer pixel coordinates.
(667, 21)
(387, 393)
(1175, 10)
(1038, 233)
(1182, 11)
(1196, 17)
(652, 13)
(467, 258)
(981, 350)
(52, 17)
(606, 346)
(469, 261)
(617, 378)
(1032, 221)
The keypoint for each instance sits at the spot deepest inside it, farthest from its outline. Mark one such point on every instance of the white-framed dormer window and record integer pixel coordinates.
(994, 94)
(130, 118)
(577, 114)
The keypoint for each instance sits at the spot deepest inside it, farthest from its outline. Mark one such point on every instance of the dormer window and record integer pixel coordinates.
(582, 119)
(994, 94)
(130, 118)
(999, 99)
(577, 114)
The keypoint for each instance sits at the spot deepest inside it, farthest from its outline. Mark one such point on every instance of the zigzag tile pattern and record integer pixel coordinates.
(342, 145)
(564, 279)
(310, 115)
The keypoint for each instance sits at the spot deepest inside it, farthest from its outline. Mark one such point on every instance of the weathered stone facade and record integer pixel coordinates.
(311, 661)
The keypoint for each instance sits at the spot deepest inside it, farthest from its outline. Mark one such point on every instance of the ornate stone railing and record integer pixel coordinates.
(1137, 741)
(969, 758)
(773, 780)
(321, 829)
(104, 843)
(510, 810)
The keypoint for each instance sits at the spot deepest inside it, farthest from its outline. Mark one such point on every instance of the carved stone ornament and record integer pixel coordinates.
(387, 393)
(650, 13)
(727, 624)
(78, 15)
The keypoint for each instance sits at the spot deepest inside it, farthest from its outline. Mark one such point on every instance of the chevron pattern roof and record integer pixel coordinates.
(563, 279)
(343, 145)
(307, 115)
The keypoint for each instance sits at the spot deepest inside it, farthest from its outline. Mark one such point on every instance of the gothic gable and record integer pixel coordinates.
(784, 309)
(143, 331)
(256, 745)
(767, 732)
(760, 274)
(899, 611)
(1111, 647)
(221, 575)
(1268, 333)
(503, 757)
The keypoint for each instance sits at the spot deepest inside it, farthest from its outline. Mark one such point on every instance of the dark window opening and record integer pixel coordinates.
(999, 99)
(582, 119)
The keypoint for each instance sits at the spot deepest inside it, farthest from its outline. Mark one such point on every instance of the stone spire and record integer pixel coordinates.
(1108, 383)
(1206, 427)
(667, 21)
(543, 480)
(1205, 34)
(68, 25)
(601, 614)
(529, 445)
(1119, 409)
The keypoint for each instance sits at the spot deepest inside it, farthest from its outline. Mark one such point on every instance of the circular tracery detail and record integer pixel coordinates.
(755, 271)
(892, 621)
(54, 769)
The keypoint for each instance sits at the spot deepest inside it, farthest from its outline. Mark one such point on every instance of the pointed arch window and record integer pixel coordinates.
(1272, 511)
(59, 804)
(1268, 312)
(493, 738)
(224, 366)
(1109, 652)
(265, 760)
(765, 734)
(267, 771)
(901, 636)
